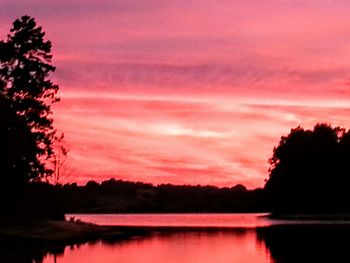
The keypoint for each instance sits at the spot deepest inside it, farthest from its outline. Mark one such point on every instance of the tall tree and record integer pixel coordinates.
(309, 171)
(25, 65)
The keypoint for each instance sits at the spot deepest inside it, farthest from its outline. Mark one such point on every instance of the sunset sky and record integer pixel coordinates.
(190, 91)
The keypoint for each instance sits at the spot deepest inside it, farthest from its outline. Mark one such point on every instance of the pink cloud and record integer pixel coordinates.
(254, 47)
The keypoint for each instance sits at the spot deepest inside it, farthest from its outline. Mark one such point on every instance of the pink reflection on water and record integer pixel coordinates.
(185, 247)
(180, 220)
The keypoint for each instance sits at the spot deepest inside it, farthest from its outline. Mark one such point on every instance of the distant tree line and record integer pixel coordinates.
(117, 196)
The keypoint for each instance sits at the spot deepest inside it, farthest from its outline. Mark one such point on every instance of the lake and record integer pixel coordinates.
(184, 247)
(203, 238)
(178, 220)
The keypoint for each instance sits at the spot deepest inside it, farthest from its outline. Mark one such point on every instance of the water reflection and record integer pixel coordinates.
(281, 244)
(185, 247)
(307, 243)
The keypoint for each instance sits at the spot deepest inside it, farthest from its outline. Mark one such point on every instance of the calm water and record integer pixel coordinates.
(184, 247)
(173, 220)
(230, 238)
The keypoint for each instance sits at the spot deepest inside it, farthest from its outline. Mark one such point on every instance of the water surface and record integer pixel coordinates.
(185, 247)
(177, 220)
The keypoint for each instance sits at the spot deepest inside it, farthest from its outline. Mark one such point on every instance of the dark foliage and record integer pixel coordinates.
(17, 148)
(25, 65)
(310, 171)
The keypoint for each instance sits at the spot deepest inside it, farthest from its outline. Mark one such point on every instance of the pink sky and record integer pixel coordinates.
(190, 92)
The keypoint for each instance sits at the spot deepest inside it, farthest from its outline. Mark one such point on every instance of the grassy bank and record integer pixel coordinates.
(59, 232)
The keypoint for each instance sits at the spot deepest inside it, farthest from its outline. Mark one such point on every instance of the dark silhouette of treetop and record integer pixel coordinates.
(310, 171)
(25, 65)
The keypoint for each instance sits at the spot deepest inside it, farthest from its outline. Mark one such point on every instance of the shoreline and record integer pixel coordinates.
(76, 232)
(61, 233)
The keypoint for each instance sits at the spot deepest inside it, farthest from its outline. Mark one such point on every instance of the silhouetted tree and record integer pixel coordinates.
(25, 65)
(310, 172)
